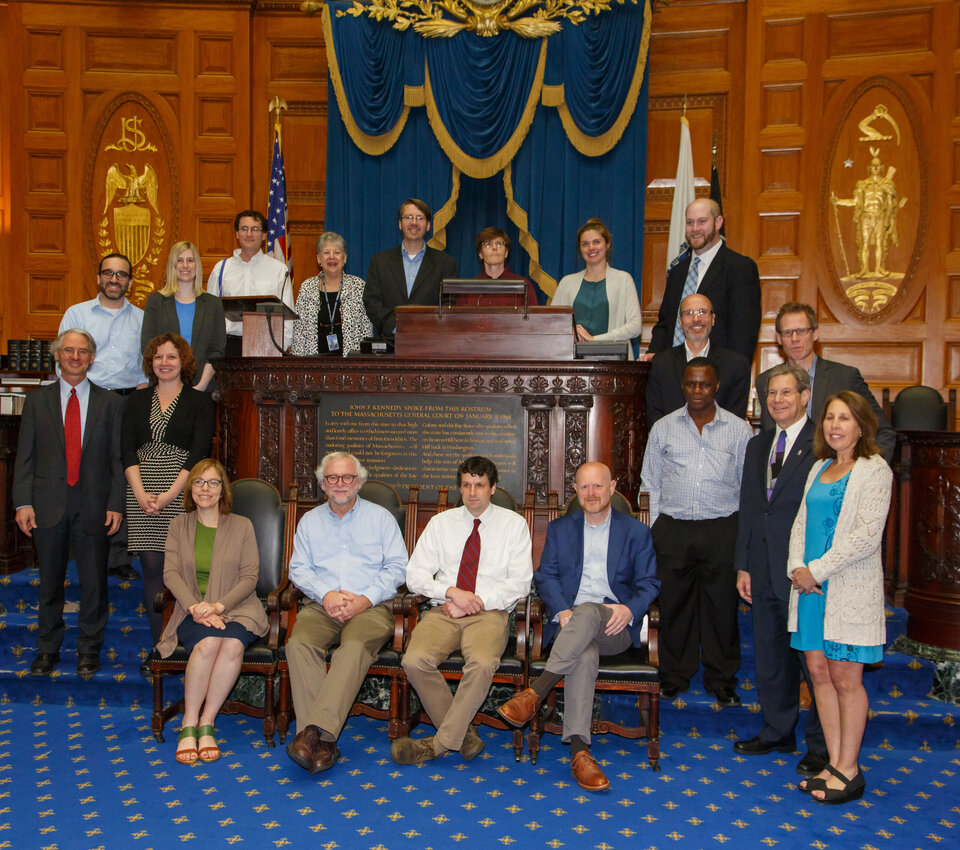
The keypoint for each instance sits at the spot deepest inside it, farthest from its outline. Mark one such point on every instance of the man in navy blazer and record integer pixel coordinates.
(408, 274)
(797, 332)
(58, 513)
(597, 578)
(730, 280)
(770, 493)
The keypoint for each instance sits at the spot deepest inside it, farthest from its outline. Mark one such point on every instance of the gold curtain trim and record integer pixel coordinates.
(519, 217)
(488, 166)
(371, 145)
(443, 216)
(599, 145)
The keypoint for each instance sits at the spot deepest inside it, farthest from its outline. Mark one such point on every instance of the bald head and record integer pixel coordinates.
(696, 319)
(703, 223)
(595, 487)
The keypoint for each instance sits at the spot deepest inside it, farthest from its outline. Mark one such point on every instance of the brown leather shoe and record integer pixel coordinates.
(412, 750)
(520, 709)
(472, 744)
(303, 748)
(325, 756)
(587, 772)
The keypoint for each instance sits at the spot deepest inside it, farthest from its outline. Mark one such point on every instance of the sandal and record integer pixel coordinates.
(188, 755)
(852, 789)
(813, 783)
(207, 754)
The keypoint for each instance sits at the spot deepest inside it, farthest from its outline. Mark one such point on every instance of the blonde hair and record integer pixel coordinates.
(170, 287)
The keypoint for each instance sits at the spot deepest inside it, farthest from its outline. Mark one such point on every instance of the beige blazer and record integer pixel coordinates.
(234, 569)
(624, 322)
(854, 605)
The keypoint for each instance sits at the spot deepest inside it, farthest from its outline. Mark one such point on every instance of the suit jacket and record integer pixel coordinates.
(386, 287)
(763, 533)
(829, 378)
(664, 394)
(732, 283)
(631, 568)
(40, 469)
(208, 335)
(234, 570)
(190, 427)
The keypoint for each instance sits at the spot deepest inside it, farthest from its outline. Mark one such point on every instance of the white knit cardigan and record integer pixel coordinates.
(854, 605)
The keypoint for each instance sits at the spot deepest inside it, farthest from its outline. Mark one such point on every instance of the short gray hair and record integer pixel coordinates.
(57, 344)
(332, 456)
(335, 238)
(801, 375)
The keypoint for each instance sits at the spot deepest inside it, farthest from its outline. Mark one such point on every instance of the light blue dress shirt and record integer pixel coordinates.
(411, 265)
(118, 364)
(594, 582)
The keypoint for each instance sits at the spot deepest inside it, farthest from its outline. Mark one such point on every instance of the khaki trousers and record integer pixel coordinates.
(322, 697)
(481, 638)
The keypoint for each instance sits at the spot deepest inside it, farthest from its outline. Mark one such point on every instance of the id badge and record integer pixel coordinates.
(333, 344)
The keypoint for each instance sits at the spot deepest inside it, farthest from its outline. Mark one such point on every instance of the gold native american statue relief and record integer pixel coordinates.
(875, 204)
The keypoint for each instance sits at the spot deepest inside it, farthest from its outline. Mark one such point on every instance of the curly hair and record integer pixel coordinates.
(188, 363)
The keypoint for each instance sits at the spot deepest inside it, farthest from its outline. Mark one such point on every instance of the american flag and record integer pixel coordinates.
(277, 211)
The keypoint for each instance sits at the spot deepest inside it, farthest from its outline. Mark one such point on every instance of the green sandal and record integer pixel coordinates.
(207, 754)
(188, 755)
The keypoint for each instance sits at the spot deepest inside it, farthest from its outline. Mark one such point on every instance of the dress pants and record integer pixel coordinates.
(698, 600)
(481, 638)
(778, 670)
(53, 554)
(322, 697)
(575, 655)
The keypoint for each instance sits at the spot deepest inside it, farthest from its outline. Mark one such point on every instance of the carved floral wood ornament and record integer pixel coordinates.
(446, 18)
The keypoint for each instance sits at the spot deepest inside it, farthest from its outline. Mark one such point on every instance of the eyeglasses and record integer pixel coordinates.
(212, 483)
(409, 217)
(250, 229)
(796, 332)
(696, 314)
(333, 479)
(110, 273)
(498, 244)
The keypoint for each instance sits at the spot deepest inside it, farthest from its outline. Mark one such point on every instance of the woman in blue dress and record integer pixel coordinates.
(836, 602)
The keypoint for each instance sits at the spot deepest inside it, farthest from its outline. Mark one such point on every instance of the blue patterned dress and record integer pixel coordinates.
(823, 507)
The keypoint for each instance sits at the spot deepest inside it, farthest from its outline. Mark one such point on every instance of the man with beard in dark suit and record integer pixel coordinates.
(730, 280)
(408, 274)
(797, 331)
(68, 487)
(775, 471)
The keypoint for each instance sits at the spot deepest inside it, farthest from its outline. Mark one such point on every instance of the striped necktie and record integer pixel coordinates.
(689, 287)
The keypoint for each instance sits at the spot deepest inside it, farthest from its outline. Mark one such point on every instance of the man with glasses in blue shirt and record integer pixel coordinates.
(114, 323)
(411, 273)
(348, 561)
(797, 332)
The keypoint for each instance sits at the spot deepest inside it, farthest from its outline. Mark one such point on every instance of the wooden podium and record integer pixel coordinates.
(262, 317)
(485, 333)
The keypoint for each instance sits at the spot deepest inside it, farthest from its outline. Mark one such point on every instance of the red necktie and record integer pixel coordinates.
(470, 560)
(71, 435)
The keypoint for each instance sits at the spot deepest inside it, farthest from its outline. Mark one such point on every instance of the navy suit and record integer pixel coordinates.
(632, 575)
(763, 540)
(664, 393)
(732, 283)
(66, 514)
(830, 378)
(386, 286)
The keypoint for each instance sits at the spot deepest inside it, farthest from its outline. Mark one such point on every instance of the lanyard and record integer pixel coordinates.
(331, 313)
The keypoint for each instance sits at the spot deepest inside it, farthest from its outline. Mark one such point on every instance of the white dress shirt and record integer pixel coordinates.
(262, 275)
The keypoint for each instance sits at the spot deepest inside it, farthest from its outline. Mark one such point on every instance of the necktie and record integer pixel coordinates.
(71, 435)
(470, 560)
(776, 464)
(689, 287)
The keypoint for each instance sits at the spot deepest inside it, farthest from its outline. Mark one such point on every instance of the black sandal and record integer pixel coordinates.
(852, 788)
(812, 783)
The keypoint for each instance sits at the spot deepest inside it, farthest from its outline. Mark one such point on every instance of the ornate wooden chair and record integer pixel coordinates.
(274, 522)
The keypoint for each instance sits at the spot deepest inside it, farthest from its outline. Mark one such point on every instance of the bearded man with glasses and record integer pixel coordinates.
(797, 332)
(348, 560)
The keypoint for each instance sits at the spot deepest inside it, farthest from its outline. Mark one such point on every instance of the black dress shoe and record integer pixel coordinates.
(145, 669)
(124, 572)
(88, 663)
(671, 692)
(812, 764)
(725, 696)
(44, 663)
(756, 747)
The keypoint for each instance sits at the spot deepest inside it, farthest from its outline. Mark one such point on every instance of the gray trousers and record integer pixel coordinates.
(575, 655)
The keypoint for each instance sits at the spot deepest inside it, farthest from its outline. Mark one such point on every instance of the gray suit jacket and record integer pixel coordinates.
(208, 335)
(830, 377)
(40, 469)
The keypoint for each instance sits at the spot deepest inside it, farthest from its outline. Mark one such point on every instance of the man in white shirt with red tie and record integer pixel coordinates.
(474, 564)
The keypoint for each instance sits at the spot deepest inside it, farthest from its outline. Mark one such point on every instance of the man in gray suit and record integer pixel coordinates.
(797, 331)
(68, 487)
(408, 274)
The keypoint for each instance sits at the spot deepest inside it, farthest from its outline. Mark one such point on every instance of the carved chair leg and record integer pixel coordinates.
(156, 722)
(393, 725)
(269, 708)
(653, 730)
(283, 704)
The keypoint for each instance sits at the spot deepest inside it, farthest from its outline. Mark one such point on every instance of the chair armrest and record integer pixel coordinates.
(653, 634)
(537, 613)
(411, 614)
(164, 601)
(522, 616)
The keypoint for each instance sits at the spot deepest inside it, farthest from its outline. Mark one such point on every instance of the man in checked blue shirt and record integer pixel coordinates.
(349, 560)
(692, 467)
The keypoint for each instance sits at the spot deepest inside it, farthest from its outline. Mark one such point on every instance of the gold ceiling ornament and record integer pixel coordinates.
(483, 17)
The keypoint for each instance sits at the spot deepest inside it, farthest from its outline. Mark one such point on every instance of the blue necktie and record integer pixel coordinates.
(689, 287)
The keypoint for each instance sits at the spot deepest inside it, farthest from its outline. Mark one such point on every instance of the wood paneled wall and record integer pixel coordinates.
(782, 83)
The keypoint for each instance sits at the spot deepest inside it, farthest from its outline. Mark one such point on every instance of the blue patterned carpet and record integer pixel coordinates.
(79, 768)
